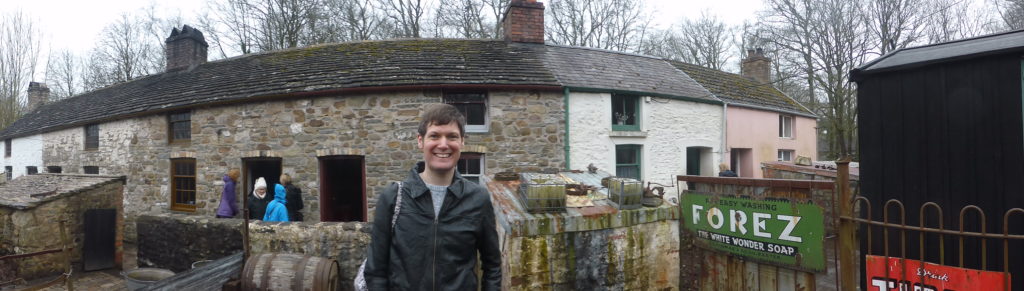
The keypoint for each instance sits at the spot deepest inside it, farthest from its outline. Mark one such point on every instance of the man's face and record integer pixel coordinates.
(442, 146)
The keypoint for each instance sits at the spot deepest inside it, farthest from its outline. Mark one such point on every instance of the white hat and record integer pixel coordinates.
(260, 183)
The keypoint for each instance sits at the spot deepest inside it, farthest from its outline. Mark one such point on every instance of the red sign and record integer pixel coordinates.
(907, 274)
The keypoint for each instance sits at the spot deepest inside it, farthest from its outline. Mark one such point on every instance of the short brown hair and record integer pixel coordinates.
(234, 173)
(441, 114)
(285, 179)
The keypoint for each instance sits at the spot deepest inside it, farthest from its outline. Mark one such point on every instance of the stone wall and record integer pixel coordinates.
(345, 242)
(526, 132)
(37, 229)
(175, 241)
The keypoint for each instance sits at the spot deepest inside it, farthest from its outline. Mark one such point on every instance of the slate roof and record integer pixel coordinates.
(333, 68)
(601, 69)
(739, 90)
(309, 69)
(1000, 43)
(29, 191)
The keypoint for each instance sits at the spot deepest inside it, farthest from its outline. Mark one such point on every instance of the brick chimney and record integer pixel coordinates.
(185, 49)
(524, 21)
(757, 67)
(38, 94)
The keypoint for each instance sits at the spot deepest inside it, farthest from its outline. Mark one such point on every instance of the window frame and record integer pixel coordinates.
(450, 98)
(92, 137)
(783, 152)
(638, 155)
(786, 124)
(636, 112)
(50, 169)
(170, 127)
(10, 172)
(175, 205)
(31, 170)
(7, 148)
(86, 170)
(467, 156)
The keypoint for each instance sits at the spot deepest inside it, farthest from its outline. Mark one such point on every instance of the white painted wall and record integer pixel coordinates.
(670, 126)
(25, 151)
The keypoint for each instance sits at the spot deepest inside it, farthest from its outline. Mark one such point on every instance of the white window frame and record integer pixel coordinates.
(786, 155)
(483, 168)
(786, 123)
(475, 128)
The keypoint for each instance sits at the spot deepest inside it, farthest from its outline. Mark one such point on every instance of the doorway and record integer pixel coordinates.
(741, 161)
(343, 188)
(253, 168)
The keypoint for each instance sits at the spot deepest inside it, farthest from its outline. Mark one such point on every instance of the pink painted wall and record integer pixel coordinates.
(758, 130)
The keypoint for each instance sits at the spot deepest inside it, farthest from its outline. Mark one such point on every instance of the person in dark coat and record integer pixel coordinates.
(294, 198)
(276, 210)
(444, 221)
(259, 199)
(227, 208)
(725, 172)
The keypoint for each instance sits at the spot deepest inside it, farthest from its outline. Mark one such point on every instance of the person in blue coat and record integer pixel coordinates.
(276, 210)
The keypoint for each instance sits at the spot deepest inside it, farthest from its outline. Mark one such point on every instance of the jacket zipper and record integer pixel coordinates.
(433, 270)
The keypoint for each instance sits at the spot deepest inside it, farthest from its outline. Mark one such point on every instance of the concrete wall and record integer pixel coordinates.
(37, 229)
(25, 151)
(758, 130)
(667, 128)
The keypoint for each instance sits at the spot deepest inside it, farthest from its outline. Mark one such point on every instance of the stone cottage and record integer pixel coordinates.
(341, 118)
(31, 208)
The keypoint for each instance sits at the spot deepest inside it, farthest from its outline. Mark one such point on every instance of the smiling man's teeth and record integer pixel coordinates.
(443, 155)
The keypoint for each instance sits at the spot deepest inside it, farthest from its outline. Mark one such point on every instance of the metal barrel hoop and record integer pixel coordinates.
(942, 238)
(984, 251)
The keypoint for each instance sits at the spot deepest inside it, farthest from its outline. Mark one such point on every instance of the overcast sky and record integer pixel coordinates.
(74, 24)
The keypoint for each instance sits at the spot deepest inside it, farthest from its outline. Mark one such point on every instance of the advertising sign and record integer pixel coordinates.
(905, 274)
(775, 231)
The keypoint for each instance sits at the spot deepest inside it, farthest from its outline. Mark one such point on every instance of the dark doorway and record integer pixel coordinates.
(98, 247)
(693, 161)
(342, 188)
(741, 161)
(253, 168)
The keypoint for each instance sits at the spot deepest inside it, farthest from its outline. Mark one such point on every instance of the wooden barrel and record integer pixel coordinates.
(281, 271)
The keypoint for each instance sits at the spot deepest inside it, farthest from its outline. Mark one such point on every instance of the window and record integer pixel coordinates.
(32, 170)
(625, 112)
(53, 169)
(92, 136)
(786, 155)
(183, 184)
(8, 170)
(7, 147)
(627, 161)
(785, 126)
(471, 166)
(91, 170)
(473, 106)
(179, 126)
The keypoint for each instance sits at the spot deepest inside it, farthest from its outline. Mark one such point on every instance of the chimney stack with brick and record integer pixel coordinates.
(757, 67)
(185, 49)
(524, 21)
(38, 94)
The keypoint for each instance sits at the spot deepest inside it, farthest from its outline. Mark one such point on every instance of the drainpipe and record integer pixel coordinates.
(565, 104)
(725, 128)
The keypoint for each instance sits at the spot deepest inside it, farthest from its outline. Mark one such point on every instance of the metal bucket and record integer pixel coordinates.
(142, 277)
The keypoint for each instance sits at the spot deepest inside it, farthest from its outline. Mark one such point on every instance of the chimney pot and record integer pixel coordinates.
(756, 66)
(185, 49)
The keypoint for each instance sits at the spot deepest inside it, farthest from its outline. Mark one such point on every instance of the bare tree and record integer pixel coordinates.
(620, 25)
(465, 18)
(359, 20)
(1012, 13)
(126, 49)
(405, 16)
(233, 26)
(65, 72)
(949, 20)
(895, 24)
(705, 41)
(19, 53)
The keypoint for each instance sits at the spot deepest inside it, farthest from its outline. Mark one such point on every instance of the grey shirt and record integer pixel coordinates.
(437, 194)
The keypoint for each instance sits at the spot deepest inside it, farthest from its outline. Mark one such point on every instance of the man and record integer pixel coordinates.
(443, 222)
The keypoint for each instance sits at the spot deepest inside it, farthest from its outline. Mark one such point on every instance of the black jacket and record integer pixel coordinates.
(257, 206)
(293, 202)
(424, 253)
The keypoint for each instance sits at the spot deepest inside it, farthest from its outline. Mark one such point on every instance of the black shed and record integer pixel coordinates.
(943, 123)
